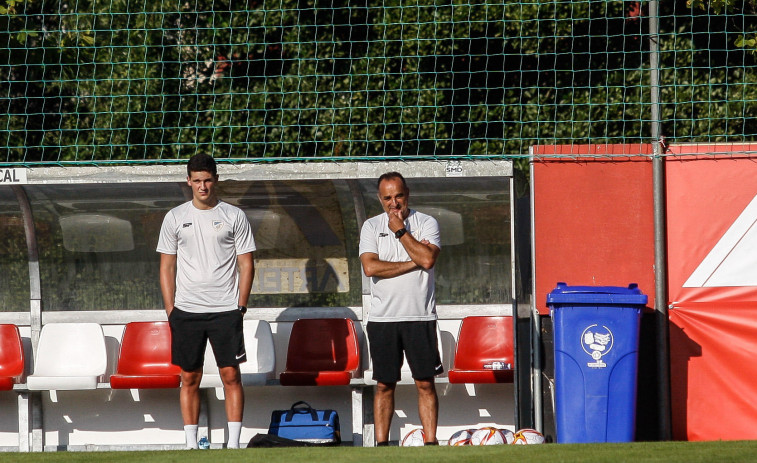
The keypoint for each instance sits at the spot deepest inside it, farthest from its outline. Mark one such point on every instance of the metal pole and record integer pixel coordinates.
(536, 356)
(363, 426)
(30, 407)
(660, 244)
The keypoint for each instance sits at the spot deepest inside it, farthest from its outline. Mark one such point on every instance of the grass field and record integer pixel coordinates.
(667, 452)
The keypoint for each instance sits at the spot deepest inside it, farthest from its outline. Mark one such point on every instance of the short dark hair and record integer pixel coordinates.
(201, 163)
(391, 176)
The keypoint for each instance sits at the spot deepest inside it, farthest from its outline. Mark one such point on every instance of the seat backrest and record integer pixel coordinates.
(323, 344)
(11, 351)
(258, 343)
(146, 349)
(482, 341)
(71, 349)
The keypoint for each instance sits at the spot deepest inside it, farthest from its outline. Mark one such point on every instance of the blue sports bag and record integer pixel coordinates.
(305, 424)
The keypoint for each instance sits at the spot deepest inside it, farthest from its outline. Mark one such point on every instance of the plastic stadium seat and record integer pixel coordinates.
(406, 376)
(145, 358)
(484, 345)
(70, 356)
(11, 357)
(322, 352)
(261, 358)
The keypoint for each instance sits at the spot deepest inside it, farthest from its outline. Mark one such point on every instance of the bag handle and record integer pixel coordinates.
(306, 409)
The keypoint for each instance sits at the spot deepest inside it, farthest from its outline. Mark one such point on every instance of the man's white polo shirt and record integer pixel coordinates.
(407, 297)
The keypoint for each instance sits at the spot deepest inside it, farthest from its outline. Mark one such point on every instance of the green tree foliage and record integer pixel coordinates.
(748, 40)
(709, 83)
(123, 80)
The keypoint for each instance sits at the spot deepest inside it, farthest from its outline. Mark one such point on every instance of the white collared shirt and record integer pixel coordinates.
(206, 243)
(407, 297)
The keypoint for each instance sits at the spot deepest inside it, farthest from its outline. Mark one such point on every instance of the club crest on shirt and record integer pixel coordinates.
(217, 225)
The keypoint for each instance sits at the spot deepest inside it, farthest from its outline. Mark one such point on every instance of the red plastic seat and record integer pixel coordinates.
(145, 358)
(11, 357)
(321, 352)
(484, 351)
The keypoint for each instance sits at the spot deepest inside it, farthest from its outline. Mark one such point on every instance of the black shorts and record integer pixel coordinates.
(387, 342)
(191, 331)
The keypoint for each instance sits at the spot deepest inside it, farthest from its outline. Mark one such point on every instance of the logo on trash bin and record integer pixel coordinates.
(597, 342)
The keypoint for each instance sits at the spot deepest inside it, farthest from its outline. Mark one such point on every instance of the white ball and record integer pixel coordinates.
(461, 437)
(528, 436)
(509, 436)
(414, 438)
(488, 435)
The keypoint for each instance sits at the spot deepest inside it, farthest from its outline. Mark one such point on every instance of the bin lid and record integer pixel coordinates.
(564, 294)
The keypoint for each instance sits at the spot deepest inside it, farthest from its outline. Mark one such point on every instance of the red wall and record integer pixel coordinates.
(593, 225)
(593, 218)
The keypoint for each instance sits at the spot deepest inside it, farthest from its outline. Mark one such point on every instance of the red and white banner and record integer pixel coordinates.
(712, 226)
(712, 274)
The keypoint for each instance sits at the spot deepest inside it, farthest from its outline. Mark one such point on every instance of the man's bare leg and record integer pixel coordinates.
(428, 407)
(234, 392)
(383, 409)
(189, 400)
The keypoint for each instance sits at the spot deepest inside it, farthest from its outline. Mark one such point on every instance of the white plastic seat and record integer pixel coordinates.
(261, 358)
(70, 356)
(406, 376)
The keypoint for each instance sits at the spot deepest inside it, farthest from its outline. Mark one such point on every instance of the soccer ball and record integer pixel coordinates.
(461, 437)
(527, 436)
(509, 436)
(488, 435)
(414, 438)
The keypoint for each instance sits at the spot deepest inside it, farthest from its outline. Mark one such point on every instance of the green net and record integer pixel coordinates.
(136, 81)
(708, 77)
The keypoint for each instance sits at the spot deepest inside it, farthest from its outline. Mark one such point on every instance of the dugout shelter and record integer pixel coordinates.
(79, 247)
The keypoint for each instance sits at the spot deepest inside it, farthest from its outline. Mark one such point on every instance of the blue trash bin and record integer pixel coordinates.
(596, 339)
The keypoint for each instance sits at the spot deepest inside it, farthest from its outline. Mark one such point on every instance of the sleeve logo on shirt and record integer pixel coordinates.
(185, 225)
(381, 235)
(217, 225)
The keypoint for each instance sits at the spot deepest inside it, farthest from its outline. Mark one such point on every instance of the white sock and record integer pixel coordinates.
(190, 431)
(235, 429)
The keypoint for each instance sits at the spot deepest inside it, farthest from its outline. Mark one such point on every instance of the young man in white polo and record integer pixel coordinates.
(398, 250)
(206, 272)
